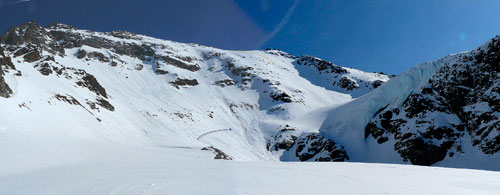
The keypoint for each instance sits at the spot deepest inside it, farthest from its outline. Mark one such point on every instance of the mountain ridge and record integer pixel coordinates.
(133, 89)
(123, 88)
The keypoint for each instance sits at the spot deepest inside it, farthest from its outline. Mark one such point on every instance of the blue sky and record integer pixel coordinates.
(383, 36)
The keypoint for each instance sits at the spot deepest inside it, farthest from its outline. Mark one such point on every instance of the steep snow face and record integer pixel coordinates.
(444, 111)
(346, 123)
(61, 85)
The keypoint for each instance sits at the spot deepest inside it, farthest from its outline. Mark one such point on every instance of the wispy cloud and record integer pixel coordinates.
(20, 1)
(283, 22)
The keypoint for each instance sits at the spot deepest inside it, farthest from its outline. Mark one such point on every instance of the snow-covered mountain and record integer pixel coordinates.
(444, 112)
(59, 83)
(69, 96)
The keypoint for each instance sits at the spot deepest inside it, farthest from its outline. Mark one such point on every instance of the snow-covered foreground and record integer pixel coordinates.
(178, 170)
(166, 175)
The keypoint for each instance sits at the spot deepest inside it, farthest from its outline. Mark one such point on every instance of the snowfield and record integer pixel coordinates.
(190, 171)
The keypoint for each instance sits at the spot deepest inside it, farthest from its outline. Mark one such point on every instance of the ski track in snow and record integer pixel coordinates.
(213, 131)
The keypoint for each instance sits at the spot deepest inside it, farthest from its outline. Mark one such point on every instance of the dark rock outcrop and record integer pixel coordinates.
(5, 63)
(320, 148)
(31, 34)
(105, 104)
(5, 90)
(224, 83)
(321, 65)
(180, 64)
(184, 82)
(218, 153)
(90, 82)
(347, 83)
(281, 96)
(32, 56)
(26, 33)
(307, 147)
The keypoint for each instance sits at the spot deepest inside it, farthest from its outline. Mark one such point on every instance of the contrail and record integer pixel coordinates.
(283, 22)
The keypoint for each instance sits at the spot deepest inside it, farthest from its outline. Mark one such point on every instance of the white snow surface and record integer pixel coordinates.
(148, 144)
(126, 170)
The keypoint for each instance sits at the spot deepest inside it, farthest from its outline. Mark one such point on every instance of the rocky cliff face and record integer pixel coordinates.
(5, 63)
(459, 104)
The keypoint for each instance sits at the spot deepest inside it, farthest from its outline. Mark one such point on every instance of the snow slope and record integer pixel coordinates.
(119, 113)
(135, 170)
(61, 84)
